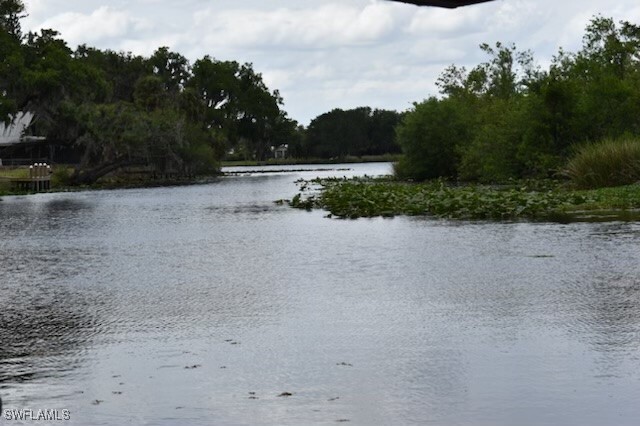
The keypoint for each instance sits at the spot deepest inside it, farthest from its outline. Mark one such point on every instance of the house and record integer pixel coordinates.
(13, 133)
(281, 151)
(16, 146)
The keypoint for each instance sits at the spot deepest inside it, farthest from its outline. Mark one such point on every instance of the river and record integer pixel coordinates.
(211, 304)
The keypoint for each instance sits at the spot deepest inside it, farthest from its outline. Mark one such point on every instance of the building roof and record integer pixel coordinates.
(13, 133)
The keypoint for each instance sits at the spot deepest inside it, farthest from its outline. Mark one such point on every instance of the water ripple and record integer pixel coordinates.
(206, 303)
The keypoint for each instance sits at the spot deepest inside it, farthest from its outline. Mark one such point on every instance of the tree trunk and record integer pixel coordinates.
(90, 176)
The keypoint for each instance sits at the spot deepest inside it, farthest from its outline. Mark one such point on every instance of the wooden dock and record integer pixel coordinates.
(39, 179)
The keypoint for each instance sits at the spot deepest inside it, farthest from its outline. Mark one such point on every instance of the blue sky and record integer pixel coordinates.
(325, 54)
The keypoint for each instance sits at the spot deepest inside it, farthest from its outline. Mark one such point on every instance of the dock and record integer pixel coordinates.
(39, 179)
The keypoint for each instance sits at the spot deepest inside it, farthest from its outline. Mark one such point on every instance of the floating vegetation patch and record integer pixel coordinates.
(539, 200)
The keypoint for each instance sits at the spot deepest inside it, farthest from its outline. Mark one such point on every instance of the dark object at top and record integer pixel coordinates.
(451, 4)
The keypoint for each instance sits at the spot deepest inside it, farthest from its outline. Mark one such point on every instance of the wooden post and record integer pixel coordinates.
(32, 176)
(39, 177)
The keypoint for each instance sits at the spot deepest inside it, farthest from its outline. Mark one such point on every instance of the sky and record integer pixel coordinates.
(326, 54)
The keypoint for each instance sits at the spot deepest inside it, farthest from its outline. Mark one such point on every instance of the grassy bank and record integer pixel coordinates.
(538, 200)
(131, 178)
(7, 173)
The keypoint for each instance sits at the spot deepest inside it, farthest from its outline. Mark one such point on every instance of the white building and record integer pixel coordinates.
(14, 132)
(281, 151)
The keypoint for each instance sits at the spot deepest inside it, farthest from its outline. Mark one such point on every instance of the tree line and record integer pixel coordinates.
(504, 118)
(343, 133)
(509, 118)
(111, 110)
(116, 109)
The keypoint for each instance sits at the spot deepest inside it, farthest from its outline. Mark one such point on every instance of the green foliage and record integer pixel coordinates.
(236, 99)
(121, 71)
(612, 198)
(531, 199)
(53, 83)
(430, 136)
(171, 68)
(11, 11)
(338, 133)
(306, 203)
(513, 120)
(61, 176)
(11, 68)
(150, 93)
(353, 198)
(121, 135)
(355, 132)
(201, 158)
(612, 162)
(112, 132)
(113, 109)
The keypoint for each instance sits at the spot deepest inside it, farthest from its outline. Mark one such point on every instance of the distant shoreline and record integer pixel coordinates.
(386, 158)
(122, 182)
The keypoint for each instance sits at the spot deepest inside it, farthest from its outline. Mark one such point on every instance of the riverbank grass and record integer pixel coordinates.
(59, 178)
(8, 173)
(129, 178)
(538, 200)
(608, 163)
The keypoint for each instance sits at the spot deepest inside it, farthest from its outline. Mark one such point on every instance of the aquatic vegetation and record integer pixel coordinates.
(611, 162)
(614, 198)
(353, 198)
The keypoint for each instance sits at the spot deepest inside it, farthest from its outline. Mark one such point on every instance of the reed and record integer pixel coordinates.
(612, 162)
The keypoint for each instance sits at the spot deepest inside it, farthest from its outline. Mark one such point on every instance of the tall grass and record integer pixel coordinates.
(612, 162)
(14, 172)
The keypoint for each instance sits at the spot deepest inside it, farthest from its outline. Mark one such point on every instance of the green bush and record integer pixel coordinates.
(429, 136)
(61, 176)
(612, 162)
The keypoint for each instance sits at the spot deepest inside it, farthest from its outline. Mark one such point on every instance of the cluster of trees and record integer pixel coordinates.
(115, 109)
(505, 118)
(508, 118)
(355, 132)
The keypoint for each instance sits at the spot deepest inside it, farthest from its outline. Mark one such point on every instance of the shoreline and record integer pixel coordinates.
(122, 183)
(118, 182)
(387, 158)
(385, 197)
(116, 186)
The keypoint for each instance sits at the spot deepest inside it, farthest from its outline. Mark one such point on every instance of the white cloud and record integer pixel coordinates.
(445, 21)
(327, 26)
(277, 78)
(146, 46)
(319, 72)
(102, 23)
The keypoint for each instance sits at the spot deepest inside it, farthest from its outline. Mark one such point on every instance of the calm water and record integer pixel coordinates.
(201, 305)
